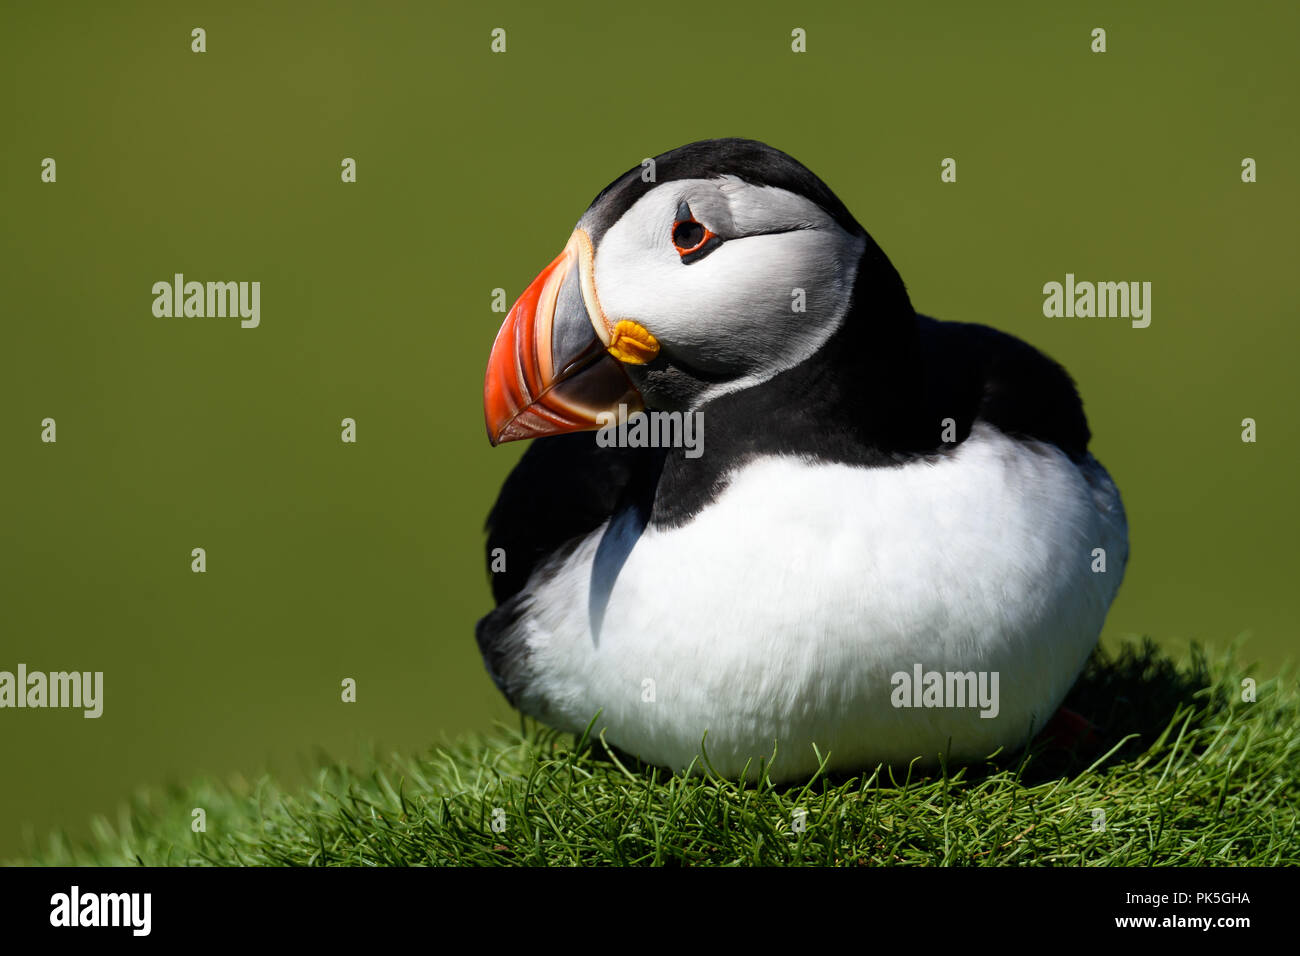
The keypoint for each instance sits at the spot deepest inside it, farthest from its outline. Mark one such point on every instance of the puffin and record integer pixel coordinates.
(890, 542)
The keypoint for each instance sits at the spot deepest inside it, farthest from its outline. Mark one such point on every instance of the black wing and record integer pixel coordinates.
(992, 376)
(563, 488)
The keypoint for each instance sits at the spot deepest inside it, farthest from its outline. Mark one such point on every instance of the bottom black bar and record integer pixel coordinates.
(116, 906)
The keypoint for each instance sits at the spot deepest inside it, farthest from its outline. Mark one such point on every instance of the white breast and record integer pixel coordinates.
(778, 617)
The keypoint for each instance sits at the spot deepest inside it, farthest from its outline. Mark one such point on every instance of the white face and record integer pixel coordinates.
(730, 313)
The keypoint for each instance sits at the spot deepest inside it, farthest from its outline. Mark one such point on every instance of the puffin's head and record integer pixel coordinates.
(728, 265)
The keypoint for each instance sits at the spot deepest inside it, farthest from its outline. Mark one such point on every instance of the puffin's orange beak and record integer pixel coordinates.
(551, 370)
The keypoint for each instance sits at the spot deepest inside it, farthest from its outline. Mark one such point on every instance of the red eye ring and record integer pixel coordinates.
(690, 236)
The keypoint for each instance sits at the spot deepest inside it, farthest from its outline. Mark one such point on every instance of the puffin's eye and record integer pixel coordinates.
(687, 236)
(691, 238)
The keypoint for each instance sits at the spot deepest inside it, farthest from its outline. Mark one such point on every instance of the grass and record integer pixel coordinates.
(1186, 773)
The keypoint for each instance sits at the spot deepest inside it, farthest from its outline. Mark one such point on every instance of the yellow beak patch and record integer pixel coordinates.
(632, 343)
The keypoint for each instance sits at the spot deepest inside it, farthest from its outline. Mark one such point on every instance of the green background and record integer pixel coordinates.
(328, 560)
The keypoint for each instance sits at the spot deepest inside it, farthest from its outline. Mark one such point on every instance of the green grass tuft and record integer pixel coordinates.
(1186, 773)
